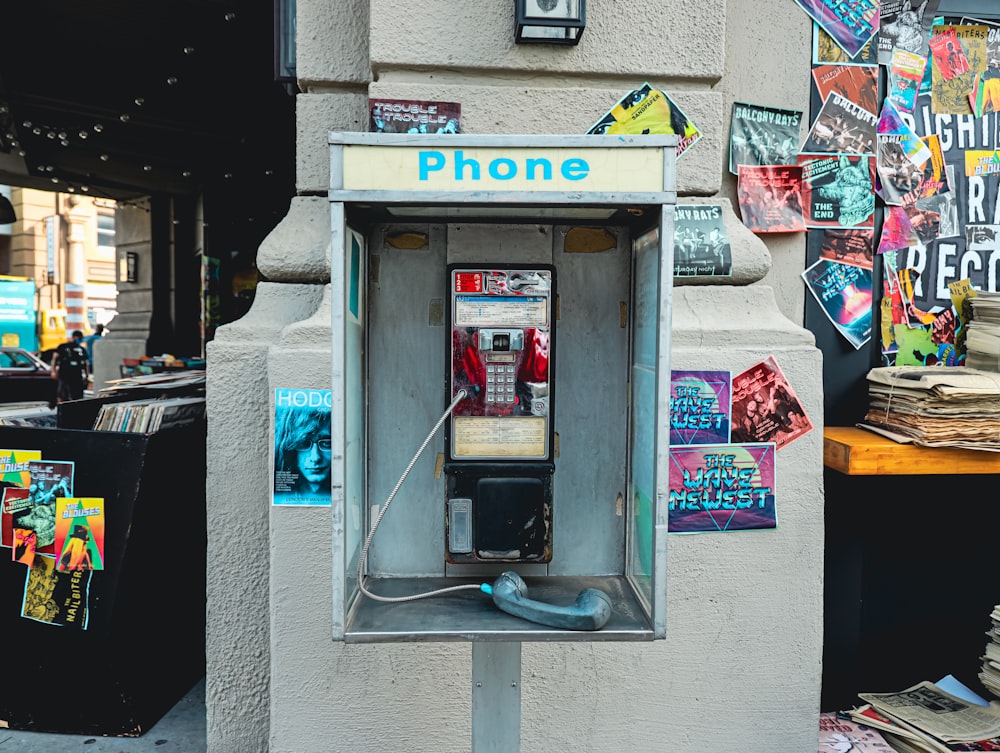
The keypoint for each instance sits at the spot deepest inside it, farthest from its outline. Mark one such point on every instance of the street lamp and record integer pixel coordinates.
(549, 21)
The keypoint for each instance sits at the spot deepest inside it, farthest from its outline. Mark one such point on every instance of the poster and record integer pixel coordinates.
(906, 71)
(701, 244)
(762, 135)
(25, 546)
(982, 162)
(826, 51)
(842, 127)
(854, 246)
(413, 116)
(724, 487)
(14, 503)
(50, 479)
(958, 55)
(971, 200)
(79, 533)
(851, 25)
(766, 408)
(844, 292)
(857, 83)
(900, 177)
(904, 25)
(699, 407)
(770, 198)
(302, 447)
(649, 110)
(56, 598)
(14, 469)
(838, 190)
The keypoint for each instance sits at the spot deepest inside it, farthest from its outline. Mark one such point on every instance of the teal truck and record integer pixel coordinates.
(18, 317)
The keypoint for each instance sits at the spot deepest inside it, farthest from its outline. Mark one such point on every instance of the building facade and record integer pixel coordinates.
(740, 669)
(65, 243)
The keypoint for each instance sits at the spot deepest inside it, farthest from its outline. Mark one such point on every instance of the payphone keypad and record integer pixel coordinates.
(500, 383)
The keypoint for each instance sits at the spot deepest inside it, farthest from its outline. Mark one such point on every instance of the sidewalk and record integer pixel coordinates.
(181, 730)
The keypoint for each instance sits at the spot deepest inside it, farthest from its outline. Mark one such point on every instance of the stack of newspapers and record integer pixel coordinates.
(926, 719)
(982, 337)
(990, 674)
(935, 406)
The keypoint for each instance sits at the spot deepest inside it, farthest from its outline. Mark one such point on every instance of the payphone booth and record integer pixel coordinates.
(501, 385)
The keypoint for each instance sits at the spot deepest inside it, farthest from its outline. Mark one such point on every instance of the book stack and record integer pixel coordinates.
(990, 674)
(147, 416)
(927, 719)
(982, 336)
(935, 406)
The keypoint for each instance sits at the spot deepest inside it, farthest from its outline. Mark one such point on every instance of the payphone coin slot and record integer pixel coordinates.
(459, 526)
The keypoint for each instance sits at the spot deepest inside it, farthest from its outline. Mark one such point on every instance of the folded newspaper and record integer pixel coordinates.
(935, 406)
(942, 721)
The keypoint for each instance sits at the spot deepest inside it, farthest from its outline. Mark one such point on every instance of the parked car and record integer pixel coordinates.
(24, 377)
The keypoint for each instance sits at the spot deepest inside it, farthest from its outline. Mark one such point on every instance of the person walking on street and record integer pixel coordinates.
(69, 367)
(88, 343)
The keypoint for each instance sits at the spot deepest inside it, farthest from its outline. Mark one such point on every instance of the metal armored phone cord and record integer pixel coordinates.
(378, 519)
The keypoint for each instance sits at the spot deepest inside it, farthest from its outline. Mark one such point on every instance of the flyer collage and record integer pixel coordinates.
(725, 431)
(58, 537)
(906, 178)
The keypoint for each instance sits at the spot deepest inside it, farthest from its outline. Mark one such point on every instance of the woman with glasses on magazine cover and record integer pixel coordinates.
(302, 450)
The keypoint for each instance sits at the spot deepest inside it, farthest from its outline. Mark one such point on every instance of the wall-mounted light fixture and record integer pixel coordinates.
(549, 21)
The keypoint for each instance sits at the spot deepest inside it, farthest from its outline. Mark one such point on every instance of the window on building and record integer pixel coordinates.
(105, 230)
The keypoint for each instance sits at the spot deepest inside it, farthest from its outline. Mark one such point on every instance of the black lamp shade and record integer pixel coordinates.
(7, 214)
(549, 21)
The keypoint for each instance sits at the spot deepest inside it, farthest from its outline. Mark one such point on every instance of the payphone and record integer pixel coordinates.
(499, 439)
(470, 264)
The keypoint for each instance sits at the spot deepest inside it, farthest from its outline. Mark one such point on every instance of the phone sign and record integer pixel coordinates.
(469, 282)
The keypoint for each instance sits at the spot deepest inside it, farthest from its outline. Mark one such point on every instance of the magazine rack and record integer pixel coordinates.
(144, 644)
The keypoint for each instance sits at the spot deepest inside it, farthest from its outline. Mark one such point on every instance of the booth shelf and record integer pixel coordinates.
(858, 452)
(472, 616)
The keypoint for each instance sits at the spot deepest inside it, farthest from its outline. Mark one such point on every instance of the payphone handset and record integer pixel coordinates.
(502, 326)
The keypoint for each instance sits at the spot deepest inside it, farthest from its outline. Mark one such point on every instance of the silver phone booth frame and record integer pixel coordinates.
(639, 608)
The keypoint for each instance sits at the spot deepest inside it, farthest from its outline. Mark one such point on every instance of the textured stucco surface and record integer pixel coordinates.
(237, 494)
(768, 49)
(740, 669)
(306, 228)
(316, 115)
(677, 40)
(331, 38)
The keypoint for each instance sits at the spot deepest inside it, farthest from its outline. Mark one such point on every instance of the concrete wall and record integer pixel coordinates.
(740, 668)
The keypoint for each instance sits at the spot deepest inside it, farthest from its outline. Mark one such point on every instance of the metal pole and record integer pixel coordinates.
(496, 697)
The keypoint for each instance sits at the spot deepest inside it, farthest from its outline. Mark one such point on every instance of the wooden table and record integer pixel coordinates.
(910, 541)
(859, 452)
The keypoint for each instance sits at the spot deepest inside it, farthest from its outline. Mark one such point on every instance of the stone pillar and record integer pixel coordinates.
(745, 609)
(76, 253)
(128, 332)
(240, 407)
